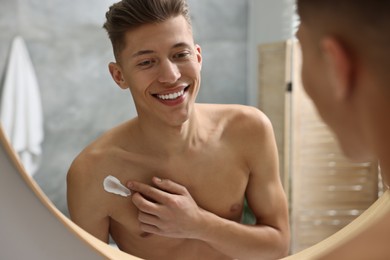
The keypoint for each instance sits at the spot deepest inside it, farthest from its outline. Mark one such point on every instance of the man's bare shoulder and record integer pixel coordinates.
(245, 119)
(92, 162)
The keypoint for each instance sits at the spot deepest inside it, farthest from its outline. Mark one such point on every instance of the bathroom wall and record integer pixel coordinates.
(70, 52)
(269, 21)
(8, 26)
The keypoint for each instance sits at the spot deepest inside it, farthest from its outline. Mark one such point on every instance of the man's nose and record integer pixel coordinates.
(169, 72)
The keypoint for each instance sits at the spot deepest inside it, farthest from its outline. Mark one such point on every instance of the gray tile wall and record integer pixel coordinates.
(70, 53)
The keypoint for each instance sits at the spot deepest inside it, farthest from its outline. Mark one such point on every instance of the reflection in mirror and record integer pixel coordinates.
(184, 144)
(70, 52)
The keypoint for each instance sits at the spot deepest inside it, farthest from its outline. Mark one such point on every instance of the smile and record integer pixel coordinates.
(172, 96)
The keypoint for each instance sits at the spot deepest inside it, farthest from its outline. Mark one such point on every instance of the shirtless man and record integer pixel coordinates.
(189, 165)
(346, 60)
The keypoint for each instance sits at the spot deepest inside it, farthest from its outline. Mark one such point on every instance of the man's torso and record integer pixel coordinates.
(214, 171)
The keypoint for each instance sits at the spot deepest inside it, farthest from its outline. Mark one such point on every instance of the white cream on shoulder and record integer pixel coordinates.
(113, 185)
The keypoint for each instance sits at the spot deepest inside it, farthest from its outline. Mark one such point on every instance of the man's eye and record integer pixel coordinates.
(182, 55)
(145, 63)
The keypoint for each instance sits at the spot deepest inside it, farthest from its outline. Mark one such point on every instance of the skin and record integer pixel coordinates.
(352, 96)
(189, 165)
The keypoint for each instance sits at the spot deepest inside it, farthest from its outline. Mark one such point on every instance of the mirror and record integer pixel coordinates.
(21, 197)
(70, 52)
(33, 228)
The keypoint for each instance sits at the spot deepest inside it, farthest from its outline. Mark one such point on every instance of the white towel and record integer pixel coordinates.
(21, 108)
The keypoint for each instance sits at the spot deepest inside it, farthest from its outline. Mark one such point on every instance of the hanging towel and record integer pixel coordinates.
(21, 108)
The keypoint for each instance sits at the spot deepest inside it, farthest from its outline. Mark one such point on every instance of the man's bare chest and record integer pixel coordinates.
(217, 183)
(214, 182)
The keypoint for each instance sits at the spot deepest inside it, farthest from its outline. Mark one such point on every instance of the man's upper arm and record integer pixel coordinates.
(265, 193)
(86, 207)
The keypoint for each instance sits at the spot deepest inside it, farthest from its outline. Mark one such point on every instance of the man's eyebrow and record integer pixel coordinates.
(180, 45)
(143, 52)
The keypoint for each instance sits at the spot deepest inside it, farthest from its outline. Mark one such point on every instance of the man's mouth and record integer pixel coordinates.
(172, 96)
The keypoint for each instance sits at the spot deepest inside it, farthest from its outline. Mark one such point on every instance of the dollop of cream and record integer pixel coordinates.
(113, 185)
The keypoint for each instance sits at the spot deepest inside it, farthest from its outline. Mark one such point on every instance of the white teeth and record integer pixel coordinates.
(171, 96)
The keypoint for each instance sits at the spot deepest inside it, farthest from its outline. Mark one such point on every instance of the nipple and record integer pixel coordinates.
(236, 207)
(113, 185)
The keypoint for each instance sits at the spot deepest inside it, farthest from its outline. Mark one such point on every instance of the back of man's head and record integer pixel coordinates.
(362, 25)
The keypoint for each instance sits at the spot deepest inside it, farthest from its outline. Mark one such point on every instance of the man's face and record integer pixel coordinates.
(161, 66)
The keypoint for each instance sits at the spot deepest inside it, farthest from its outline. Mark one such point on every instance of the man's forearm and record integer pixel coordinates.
(241, 241)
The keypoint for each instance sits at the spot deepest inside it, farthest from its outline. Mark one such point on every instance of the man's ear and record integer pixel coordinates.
(198, 54)
(116, 73)
(339, 65)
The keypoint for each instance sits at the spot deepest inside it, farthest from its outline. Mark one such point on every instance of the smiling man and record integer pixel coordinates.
(190, 166)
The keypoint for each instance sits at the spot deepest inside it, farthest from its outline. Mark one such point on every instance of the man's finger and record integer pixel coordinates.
(148, 219)
(170, 186)
(144, 204)
(149, 192)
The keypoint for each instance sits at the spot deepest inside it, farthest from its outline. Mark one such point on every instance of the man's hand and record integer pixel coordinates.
(167, 209)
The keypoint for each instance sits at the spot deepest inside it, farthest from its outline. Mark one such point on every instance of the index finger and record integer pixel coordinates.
(149, 192)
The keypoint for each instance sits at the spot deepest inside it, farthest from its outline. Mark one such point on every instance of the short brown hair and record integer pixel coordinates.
(363, 25)
(130, 14)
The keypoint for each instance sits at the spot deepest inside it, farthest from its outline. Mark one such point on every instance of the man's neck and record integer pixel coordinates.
(168, 140)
